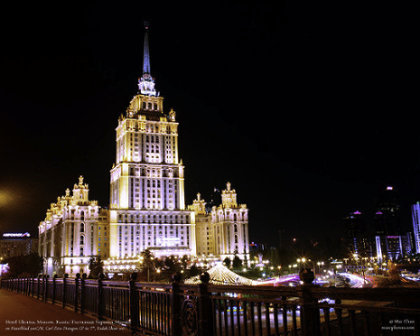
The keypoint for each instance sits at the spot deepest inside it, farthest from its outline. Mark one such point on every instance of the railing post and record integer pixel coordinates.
(46, 287)
(82, 293)
(54, 289)
(176, 306)
(205, 314)
(100, 296)
(76, 292)
(33, 287)
(134, 303)
(309, 310)
(65, 289)
(38, 283)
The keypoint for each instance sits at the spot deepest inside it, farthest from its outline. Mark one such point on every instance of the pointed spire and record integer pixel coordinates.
(146, 54)
(146, 82)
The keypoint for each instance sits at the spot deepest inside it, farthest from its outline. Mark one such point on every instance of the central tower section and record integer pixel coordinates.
(147, 181)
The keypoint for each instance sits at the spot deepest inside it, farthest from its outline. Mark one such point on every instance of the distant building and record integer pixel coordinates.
(415, 211)
(74, 230)
(223, 232)
(357, 235)
(380, 232)
(391, 240)
(17, 244)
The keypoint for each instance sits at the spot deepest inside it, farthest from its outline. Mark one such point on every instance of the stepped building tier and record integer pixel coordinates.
(147, 209)
(74, 230)
(223, 232)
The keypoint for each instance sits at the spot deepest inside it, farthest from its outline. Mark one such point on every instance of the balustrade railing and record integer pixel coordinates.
(228, 310)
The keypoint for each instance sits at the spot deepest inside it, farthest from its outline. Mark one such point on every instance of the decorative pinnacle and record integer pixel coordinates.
(146, 54)
(146, 83)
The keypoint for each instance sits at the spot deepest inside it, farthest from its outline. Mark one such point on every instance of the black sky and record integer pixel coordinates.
(308, 109)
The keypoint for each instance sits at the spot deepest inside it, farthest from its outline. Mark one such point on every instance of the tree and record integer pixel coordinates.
(171, 265)
(227, 262)
(147, 264)
(96, 267)
(28, 265)
(193, 271)
(184, 261)
(237, 262)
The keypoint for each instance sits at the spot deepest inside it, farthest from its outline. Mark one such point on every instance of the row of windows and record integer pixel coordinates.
(181, 219)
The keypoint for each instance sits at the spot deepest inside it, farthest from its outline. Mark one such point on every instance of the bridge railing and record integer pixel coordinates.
(222, 310)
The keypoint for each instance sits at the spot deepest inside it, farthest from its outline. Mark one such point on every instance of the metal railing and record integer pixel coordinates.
(205, 309)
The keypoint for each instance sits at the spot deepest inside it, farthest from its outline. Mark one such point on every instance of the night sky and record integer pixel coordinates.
(307, 109)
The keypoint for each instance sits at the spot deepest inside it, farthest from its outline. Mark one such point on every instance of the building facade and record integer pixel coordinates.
(147, 209)
(17, 244)
(358, 239)
(147, 202)
(379, 233)
(415, 212)
(222, 232)
(74, 230)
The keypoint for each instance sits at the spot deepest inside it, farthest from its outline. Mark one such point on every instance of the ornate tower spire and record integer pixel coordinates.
(146, 82)
(146, 55)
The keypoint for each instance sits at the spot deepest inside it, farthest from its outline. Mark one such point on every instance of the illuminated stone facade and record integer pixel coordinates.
(223, 232)
(147, 203)
(17, 244)
(147, 209)
(74, 229)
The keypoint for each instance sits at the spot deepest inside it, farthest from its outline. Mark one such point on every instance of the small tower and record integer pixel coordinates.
(229, 197)
(198, 206)
(80, 192)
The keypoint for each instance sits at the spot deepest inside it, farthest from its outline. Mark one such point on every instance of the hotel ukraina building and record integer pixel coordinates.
(147, 204)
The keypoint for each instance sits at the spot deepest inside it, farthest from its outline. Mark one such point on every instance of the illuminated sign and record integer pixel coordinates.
(169, 241)
(16, 235)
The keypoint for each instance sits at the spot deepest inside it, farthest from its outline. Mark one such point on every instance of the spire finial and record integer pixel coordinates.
(146, 83)
(146, 54)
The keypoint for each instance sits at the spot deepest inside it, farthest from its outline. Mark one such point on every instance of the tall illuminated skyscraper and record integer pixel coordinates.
(415, 211)
(147, 206)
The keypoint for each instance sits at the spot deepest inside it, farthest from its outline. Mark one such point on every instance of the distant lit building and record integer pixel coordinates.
(14, 244)
(357, 235)
(415, 211)
(74, 230)
(223, 232)
(391, 240)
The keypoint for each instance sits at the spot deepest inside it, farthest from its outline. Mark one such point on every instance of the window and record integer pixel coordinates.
(82, 240)
(82, 227)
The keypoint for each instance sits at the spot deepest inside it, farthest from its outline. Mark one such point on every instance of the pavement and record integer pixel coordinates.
(22, 315)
